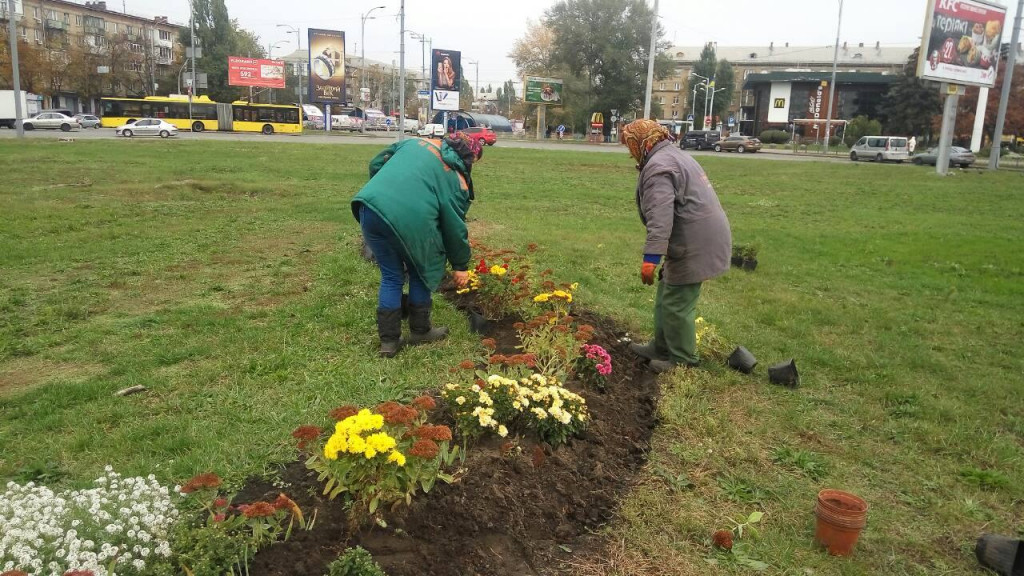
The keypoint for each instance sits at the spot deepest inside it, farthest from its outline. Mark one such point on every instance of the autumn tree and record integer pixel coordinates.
(220, 37)
(968, 106)
(911, 104)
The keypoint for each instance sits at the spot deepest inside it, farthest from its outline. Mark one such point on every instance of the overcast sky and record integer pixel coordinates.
(485, 30)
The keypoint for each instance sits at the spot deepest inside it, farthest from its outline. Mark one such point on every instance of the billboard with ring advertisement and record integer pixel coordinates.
(326, 66)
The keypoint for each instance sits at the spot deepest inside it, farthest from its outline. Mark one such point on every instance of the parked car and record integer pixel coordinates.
(482, 133)
(88, 120)
(958, 156)
(147, 127)
(699, 139)
(346, 122)
(431, 130)
(739, 144)
(880, 149)
(52, 121)
(411, 125)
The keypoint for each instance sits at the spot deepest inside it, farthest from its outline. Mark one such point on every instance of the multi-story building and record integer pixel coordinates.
(89, 51)
(756, 66)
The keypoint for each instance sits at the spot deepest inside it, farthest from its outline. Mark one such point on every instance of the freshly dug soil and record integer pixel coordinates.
(524, 514)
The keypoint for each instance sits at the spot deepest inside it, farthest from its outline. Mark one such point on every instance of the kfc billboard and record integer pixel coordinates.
(255, 72)
(961, 42)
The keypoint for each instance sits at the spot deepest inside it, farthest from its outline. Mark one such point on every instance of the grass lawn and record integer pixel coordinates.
(223, 277)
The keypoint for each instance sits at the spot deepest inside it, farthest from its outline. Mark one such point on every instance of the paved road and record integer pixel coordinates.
(381, 138)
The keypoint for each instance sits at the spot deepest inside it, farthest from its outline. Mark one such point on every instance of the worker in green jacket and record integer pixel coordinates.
(412, 214)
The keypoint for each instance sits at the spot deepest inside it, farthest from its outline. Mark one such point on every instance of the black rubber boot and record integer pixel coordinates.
(420, 330)
(389, 328)
(648, 351)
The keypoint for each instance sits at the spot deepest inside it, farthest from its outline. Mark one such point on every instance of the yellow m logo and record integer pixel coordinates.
(780, 102)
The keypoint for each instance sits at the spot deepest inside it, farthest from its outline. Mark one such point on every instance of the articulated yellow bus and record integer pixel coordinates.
(238, 116)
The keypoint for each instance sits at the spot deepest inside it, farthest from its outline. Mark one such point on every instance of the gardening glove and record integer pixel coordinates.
(647, 273)
(461, 278)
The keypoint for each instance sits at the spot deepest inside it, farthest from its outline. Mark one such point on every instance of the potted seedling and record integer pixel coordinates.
(745, 256)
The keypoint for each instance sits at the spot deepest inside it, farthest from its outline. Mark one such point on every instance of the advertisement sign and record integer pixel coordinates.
(778, 110)
(961, 42)
(543, 90)
(445, 79)
(326, 66)
(255, 72)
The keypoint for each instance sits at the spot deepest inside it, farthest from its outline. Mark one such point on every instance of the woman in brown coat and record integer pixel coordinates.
(688, 228)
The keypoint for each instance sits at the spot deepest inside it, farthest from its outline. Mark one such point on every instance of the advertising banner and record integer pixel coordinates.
(255, 72)
(778, 103)
(961, 42)
(543, 90)
(445, 79)
(326, 66)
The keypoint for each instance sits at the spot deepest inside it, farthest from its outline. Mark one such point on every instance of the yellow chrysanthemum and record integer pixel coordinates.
(369, 453)
(381, 442)
(542, 297)
(356, 444)
(397, 457)
(498, 271)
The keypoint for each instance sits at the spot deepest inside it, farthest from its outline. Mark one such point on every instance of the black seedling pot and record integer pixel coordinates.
(1002, 554)
(749, 264)
(741, 359)
(784, 374)
(737, 261)
(477, 323)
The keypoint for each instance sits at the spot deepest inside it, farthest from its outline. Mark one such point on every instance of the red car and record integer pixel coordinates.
(483, 134)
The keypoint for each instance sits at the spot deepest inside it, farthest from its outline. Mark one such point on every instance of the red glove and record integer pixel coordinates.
(647, 273)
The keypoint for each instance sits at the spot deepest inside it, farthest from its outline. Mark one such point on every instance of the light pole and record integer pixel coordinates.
(401, 76)
(192, 82)
(1004, 96)
(713, 92)
(298, 40)
(650, 62)
(832, 86)
(12, 34)
(704, 81)
(270, 56)
(362, 60)
(477, 89)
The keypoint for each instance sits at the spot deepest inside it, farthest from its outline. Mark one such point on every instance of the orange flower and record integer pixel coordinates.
(467, 365)
(723, 539)
(489, 343)
(424, 403)
(400, 415)
(201, 481)
(426, 449)
(436, 433)
(342, 412)
(306, 434)
(259, 510)
(497, 359)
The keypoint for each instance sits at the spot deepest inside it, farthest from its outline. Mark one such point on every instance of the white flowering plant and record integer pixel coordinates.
(119, 527)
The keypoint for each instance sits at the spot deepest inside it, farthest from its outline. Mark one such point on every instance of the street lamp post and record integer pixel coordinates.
(477, 89)
(298, 40)
(362, 60)
(650, 62)
(192, 35)
(270, 56)
(713, 92)
(12, 34)
(704, 80)
(832, 86)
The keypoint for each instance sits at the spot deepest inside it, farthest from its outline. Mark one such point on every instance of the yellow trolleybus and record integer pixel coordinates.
(238, 116)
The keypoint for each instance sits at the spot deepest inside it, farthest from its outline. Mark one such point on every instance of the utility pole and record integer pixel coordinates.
(401, 86)
(832, 86)
(1004, 98)
(650, 62)
(300, 68)
(192, 33)
(362, 61)
(477, 89)
(12, 35)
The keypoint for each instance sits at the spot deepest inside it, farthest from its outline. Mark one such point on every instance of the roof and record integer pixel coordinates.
(869, 54)
(841, 78)
(110, 12)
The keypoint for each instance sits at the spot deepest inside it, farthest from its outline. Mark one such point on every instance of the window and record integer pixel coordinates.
(165, 35)
(35, 12)
(39, 37)
(67, 18)
(78, 19)
(677, 85)
(675, 99)
(675, 114)
(661, 86)
(129, 30)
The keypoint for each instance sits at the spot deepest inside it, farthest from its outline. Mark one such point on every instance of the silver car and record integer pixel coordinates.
(147, 127)
(87, 120)
(52, 121)
(958, 156)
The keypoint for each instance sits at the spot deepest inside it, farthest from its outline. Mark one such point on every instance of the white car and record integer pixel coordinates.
(51, 120)
(147, 127)
(431, 130)
(346, 122)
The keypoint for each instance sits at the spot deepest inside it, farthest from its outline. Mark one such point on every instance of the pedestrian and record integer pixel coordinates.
(912, 145)
(412, 214)
(686, 227)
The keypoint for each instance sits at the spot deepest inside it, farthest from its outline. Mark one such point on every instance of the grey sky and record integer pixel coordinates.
(485, 30)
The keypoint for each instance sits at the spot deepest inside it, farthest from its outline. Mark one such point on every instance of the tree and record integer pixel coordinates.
(465, 94)
(861, 126)
(606, 43)
(220, 37)
(968, 106)
(910, 106)
(506, 98)
(725, 80)
(533, 54)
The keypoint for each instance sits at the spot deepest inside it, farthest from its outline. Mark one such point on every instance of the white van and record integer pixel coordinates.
(880, 149)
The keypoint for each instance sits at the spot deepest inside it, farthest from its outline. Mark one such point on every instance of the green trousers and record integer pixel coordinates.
(675, 326)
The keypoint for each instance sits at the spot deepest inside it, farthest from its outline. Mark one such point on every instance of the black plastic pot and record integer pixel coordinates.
(749, 264)
(1002, 554)
(737, 261)
(741, 359)
(784, 374)
(477, 323)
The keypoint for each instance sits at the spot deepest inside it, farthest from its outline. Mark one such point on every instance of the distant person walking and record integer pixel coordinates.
(912, 145)
(688, 228)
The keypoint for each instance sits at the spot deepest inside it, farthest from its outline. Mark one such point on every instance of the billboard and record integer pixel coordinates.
(445, 79)
(961, 42)
(255, 72)
(543, 90)
(326, 66)
(778, 113)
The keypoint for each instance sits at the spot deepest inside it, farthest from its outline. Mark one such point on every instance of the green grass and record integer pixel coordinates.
(222, 276)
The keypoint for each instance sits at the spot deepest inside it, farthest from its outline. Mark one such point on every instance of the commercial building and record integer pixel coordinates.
(83, 51)
(866, 69)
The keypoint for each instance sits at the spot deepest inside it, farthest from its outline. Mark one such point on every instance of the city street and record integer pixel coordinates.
(382, 138)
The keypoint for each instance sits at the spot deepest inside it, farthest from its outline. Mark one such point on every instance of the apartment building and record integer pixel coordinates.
(108, 52)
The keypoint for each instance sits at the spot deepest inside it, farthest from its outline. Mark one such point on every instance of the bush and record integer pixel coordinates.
(355, 562)
(861, 126)
(774, 136)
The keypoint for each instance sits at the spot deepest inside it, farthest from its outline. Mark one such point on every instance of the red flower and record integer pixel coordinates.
(400, 415)
(220, 503)
(307, 433)
(481, 268)
(342, 412)
(259, 510)
(497, 359)
(201, 481)
(489, 343)
(219, 517)
(723, 539)
(467, 365)
(426, 449)
(424, 403)
(435, 433)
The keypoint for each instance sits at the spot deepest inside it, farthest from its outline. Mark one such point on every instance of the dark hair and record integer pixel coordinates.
(464, 150)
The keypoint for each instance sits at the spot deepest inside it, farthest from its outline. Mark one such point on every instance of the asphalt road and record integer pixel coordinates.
(382, 138)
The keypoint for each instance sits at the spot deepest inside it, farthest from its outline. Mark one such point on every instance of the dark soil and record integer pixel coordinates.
(524, 514)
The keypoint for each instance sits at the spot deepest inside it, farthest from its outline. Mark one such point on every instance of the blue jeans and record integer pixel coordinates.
(387, 250)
